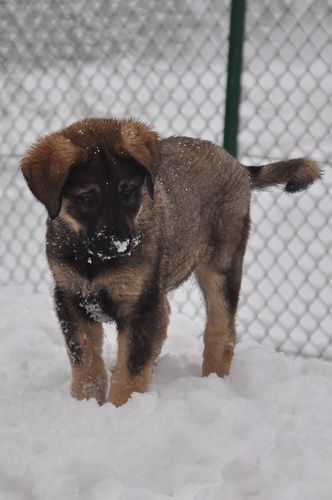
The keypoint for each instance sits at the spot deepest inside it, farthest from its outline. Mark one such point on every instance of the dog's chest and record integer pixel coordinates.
(98, 305)
(110, 295)
(111, 299)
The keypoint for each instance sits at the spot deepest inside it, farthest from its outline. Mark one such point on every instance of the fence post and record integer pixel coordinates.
(234, 68)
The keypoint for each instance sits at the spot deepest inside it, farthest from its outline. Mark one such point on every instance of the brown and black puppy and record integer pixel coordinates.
(130, 218)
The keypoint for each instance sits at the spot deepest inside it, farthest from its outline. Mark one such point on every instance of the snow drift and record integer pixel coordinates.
(264, 433)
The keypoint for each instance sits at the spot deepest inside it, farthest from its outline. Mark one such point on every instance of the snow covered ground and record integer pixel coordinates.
(264, 433)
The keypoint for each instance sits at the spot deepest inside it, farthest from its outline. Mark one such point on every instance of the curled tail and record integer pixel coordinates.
(295, 175)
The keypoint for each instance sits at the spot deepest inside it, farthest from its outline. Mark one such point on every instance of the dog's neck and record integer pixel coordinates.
(89, 256)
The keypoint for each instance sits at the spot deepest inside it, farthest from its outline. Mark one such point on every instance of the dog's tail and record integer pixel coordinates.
(295, 175)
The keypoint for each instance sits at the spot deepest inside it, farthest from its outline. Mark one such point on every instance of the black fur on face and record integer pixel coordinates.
(104, 196)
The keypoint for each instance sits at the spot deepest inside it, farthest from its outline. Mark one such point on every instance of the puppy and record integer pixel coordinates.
(131, 217)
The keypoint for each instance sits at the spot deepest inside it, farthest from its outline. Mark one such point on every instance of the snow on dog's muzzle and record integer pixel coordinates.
(105, 246)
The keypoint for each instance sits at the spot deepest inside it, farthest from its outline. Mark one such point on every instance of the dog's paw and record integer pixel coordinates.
(90, 388)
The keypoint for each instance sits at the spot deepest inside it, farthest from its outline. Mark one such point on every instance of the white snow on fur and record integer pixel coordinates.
(264, 433)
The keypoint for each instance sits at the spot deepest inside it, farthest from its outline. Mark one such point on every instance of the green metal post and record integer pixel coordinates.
(234, 68)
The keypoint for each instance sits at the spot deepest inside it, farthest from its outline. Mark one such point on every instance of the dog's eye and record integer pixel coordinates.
(128, 191)
(87, 198)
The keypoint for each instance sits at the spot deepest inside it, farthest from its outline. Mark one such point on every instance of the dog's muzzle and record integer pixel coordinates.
(104, 245)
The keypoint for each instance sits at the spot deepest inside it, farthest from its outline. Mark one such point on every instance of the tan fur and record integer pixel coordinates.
(123, 384)
(123, 137)
(63, 214)
(47, 165)
(89, 379)
(64, 275)
(140, 142)
(217, 332)
(126, 287)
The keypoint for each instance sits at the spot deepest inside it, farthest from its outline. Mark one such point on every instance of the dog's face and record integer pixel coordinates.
(92, 176)
(100, 201)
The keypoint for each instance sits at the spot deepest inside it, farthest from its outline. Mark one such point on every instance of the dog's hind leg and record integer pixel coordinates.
(220, 280)
(139, 345)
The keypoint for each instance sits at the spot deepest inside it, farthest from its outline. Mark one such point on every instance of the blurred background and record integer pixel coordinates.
(166, 62)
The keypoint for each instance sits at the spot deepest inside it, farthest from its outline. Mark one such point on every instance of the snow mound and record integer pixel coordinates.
(264, 433)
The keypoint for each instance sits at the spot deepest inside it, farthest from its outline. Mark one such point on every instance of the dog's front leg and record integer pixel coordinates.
(84, 339)
(139, 345)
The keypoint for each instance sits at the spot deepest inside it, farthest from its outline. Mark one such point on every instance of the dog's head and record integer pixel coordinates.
(93, 173)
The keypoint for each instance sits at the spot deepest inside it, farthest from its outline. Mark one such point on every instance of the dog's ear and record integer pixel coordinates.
(46, 167)
(141, 143)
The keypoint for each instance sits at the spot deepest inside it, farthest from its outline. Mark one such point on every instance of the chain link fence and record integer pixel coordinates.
(165, 62)
(286, 111)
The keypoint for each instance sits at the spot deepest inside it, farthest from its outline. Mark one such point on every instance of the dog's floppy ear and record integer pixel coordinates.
(46, 167)
(141, 143)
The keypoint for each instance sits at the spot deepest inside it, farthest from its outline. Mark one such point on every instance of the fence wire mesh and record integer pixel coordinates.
(165, 62)
(286, 111)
